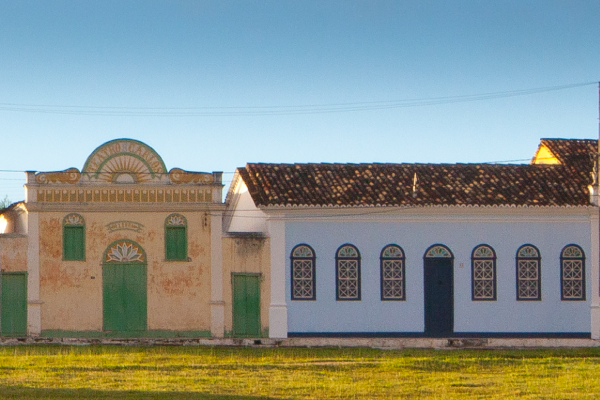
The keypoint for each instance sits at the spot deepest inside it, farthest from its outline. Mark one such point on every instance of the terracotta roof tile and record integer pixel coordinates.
(436, 184)
(576, 153)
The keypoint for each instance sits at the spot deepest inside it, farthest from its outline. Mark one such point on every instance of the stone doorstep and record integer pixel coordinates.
(378, 343)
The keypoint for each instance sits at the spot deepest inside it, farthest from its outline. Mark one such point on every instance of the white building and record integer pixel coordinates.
(405, 250)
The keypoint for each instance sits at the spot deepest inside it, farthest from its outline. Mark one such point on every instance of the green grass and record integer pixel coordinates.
(114, 372)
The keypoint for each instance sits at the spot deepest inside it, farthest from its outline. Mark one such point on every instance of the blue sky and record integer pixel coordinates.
(150, 56)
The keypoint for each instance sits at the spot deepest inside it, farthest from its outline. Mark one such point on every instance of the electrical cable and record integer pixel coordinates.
(231, 111)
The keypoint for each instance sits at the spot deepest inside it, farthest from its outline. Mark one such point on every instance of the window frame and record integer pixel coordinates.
(313, 268)
(494, 279)
(171, 226)
(73, 222)
(338, 260)
(562, 267)
(402, 260)
(538, 260)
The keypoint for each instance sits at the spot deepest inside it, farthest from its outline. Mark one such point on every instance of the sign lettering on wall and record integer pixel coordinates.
(124, 226)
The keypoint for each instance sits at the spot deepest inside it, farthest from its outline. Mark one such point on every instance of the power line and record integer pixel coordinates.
(232, 111)
(233, 172)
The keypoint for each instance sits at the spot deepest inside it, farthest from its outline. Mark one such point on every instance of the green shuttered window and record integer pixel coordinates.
(176, 238)
(73, 238)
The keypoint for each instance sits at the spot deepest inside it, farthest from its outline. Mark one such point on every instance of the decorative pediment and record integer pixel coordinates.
(126, 171)
(124, 161)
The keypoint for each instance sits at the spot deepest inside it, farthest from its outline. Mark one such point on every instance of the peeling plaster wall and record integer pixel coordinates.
(178, 292)
(13, 252)
(244, 254)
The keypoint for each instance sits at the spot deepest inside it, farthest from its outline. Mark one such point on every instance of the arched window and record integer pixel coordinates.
(347, 278)
(391, 263)
(73, 238)
(176, 238)
(528, 273)
(572, 273)
(483, 273)
(303, 273)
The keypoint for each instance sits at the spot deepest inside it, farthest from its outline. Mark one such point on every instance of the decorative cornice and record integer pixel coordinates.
(126, 207)
(126, 194)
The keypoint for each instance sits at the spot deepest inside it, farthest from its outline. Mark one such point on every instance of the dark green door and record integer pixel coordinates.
(124, 292)
(13, 304)
(439, 296)
(246, 304)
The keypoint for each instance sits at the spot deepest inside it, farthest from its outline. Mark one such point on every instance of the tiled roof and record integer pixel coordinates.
(352, 185)
(573, 152)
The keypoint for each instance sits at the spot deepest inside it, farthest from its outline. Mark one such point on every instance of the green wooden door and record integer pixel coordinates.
(13, 304)
(124, 292)
(246, 304)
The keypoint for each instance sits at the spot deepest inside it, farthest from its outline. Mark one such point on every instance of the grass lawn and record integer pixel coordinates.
(115, 372)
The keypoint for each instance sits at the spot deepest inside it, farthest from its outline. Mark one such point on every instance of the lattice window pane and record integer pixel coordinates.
(348, 279)
(528, 289)
(483, 279)
(393, 279)
(528, 269)
(483, 273)
(483, 290)
(303, 273)
(528, 273)
(573, 277)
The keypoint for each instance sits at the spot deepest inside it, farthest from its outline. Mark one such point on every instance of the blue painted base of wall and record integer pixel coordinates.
(483, 335)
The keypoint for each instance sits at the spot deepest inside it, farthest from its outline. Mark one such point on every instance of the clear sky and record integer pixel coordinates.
(211, 85)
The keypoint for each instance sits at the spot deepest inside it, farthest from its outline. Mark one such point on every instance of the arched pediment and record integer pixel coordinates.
(124, 161)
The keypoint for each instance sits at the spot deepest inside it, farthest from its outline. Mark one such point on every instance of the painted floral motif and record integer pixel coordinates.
(302, 251)
(124, 252)
(572, 252)
(528, 252)
(438, 251)
(483, 252)
(347, 251)
(392, 252)
(73, 219)
(175, 220)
